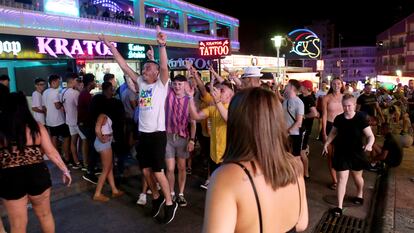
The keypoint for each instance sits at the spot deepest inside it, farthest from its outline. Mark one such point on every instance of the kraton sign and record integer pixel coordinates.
(214, 48)
(305, 45)
(71, 48)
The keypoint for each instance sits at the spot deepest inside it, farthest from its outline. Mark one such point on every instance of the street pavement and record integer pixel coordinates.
(74, 211)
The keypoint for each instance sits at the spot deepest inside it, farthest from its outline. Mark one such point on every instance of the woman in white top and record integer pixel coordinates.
(102, 144)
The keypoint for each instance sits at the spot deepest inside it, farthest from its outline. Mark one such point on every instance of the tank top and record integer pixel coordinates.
(107, 127)
(293, 230)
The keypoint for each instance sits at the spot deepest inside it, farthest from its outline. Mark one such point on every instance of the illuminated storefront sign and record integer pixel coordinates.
(214, 48)
(31, 47)
(136, 51)
(71, 48)
(62, 7)
(305, 45)
(13, 47)
(245, 60)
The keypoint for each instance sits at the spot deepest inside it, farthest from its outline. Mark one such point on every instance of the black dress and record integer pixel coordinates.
(349, 153)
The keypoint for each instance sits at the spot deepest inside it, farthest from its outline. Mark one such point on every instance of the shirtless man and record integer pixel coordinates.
(331, 107)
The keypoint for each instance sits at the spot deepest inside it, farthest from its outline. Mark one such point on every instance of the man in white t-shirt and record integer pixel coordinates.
(38, 108)
(152, 88)
(69, 99)
(55, 116)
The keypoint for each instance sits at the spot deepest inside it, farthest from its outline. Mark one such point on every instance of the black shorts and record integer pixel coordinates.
(296, 144)
(151, 150)
(61, 130)
(16, 182)
(329, 126)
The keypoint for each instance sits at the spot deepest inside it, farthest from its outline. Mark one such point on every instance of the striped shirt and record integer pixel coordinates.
(177, 114)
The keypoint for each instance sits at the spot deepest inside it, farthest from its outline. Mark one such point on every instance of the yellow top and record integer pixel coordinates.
(218, 133)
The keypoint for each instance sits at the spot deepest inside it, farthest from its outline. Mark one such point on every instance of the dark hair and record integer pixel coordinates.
(71, 75)
(179, 78)
(106, 85)
(108, 76)
(4, 77)
(88, 78)
(228, 84)
(53, 77)
(152, 62)
(15, 118)
(257, 136)
(295, 83)
(39, 80)
(342, 83)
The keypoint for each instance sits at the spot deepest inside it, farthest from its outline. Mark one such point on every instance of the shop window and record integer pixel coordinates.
(165, 18)
(197, 25)
(223, 30)
(113, 9)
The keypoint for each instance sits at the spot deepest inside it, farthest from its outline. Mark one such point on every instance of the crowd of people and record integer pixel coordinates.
(88, 8)
(255, 137)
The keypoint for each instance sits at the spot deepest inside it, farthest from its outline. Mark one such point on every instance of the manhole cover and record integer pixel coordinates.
(343, 224)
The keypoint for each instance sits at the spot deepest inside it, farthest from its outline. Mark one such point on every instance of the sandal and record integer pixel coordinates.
(333, 186)
(336, 212)
(118, 194)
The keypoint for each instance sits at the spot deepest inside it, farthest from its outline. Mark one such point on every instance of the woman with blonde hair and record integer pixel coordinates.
(260, 186)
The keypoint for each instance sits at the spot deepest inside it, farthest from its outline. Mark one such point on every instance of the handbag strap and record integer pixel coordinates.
(259, 209)
(287, 109)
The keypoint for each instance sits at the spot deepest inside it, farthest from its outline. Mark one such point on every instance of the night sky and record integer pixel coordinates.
(358, 21)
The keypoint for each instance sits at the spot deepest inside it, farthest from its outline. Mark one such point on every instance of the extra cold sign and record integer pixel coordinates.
(214, 48)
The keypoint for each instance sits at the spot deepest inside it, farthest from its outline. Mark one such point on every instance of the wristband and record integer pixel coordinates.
(162, 45)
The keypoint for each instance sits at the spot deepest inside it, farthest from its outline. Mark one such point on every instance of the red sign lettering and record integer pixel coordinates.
(214, 48)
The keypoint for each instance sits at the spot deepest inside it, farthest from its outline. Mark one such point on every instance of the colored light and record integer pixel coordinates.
(20, 18)
(67, 8)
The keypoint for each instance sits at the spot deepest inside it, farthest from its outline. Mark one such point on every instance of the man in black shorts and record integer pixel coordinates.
(152, 89)
(294, 111)
(309, 102)
(55, 115)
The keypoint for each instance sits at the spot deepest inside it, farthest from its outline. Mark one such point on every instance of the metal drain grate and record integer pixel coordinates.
(343, 224)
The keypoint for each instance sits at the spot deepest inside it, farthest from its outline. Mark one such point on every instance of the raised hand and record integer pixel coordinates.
(216, 94)
(150, 53)
(161, 37)
(189, 90)
(103, 38)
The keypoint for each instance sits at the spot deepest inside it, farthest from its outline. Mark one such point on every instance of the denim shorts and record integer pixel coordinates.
(99, 146)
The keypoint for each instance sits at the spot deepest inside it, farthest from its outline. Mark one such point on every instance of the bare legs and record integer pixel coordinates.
(107, 173)
(331, 169)
(181, 173)
(17, 212)
(342, 182)
(74, 148)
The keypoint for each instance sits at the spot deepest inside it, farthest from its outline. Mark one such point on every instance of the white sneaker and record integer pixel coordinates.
(142, 199)
(149, 192)
(205, 185)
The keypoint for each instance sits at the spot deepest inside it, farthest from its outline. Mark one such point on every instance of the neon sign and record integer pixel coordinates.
(214, 48)
(136, 51)
(10, 47)
(71, 48)
(305, 44)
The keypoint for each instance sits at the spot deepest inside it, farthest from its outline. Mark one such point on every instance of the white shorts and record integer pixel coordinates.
(74, 129)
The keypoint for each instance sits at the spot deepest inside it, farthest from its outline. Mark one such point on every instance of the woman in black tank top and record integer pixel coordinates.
(257, 153)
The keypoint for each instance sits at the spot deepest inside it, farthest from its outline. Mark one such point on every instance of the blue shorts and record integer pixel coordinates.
(99, 146)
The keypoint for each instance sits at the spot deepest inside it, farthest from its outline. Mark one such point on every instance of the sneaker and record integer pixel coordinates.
(149, 192)
(76, 166)
(91, 178)
(84, 167)
(169, 212)
(181, 201)
(98, 172)
(358, 201)
(156, 206)
(336, 212)
(189, 170)
(205, 185)
(142, 199)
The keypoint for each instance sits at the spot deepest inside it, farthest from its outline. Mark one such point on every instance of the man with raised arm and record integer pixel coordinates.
(152, 87)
